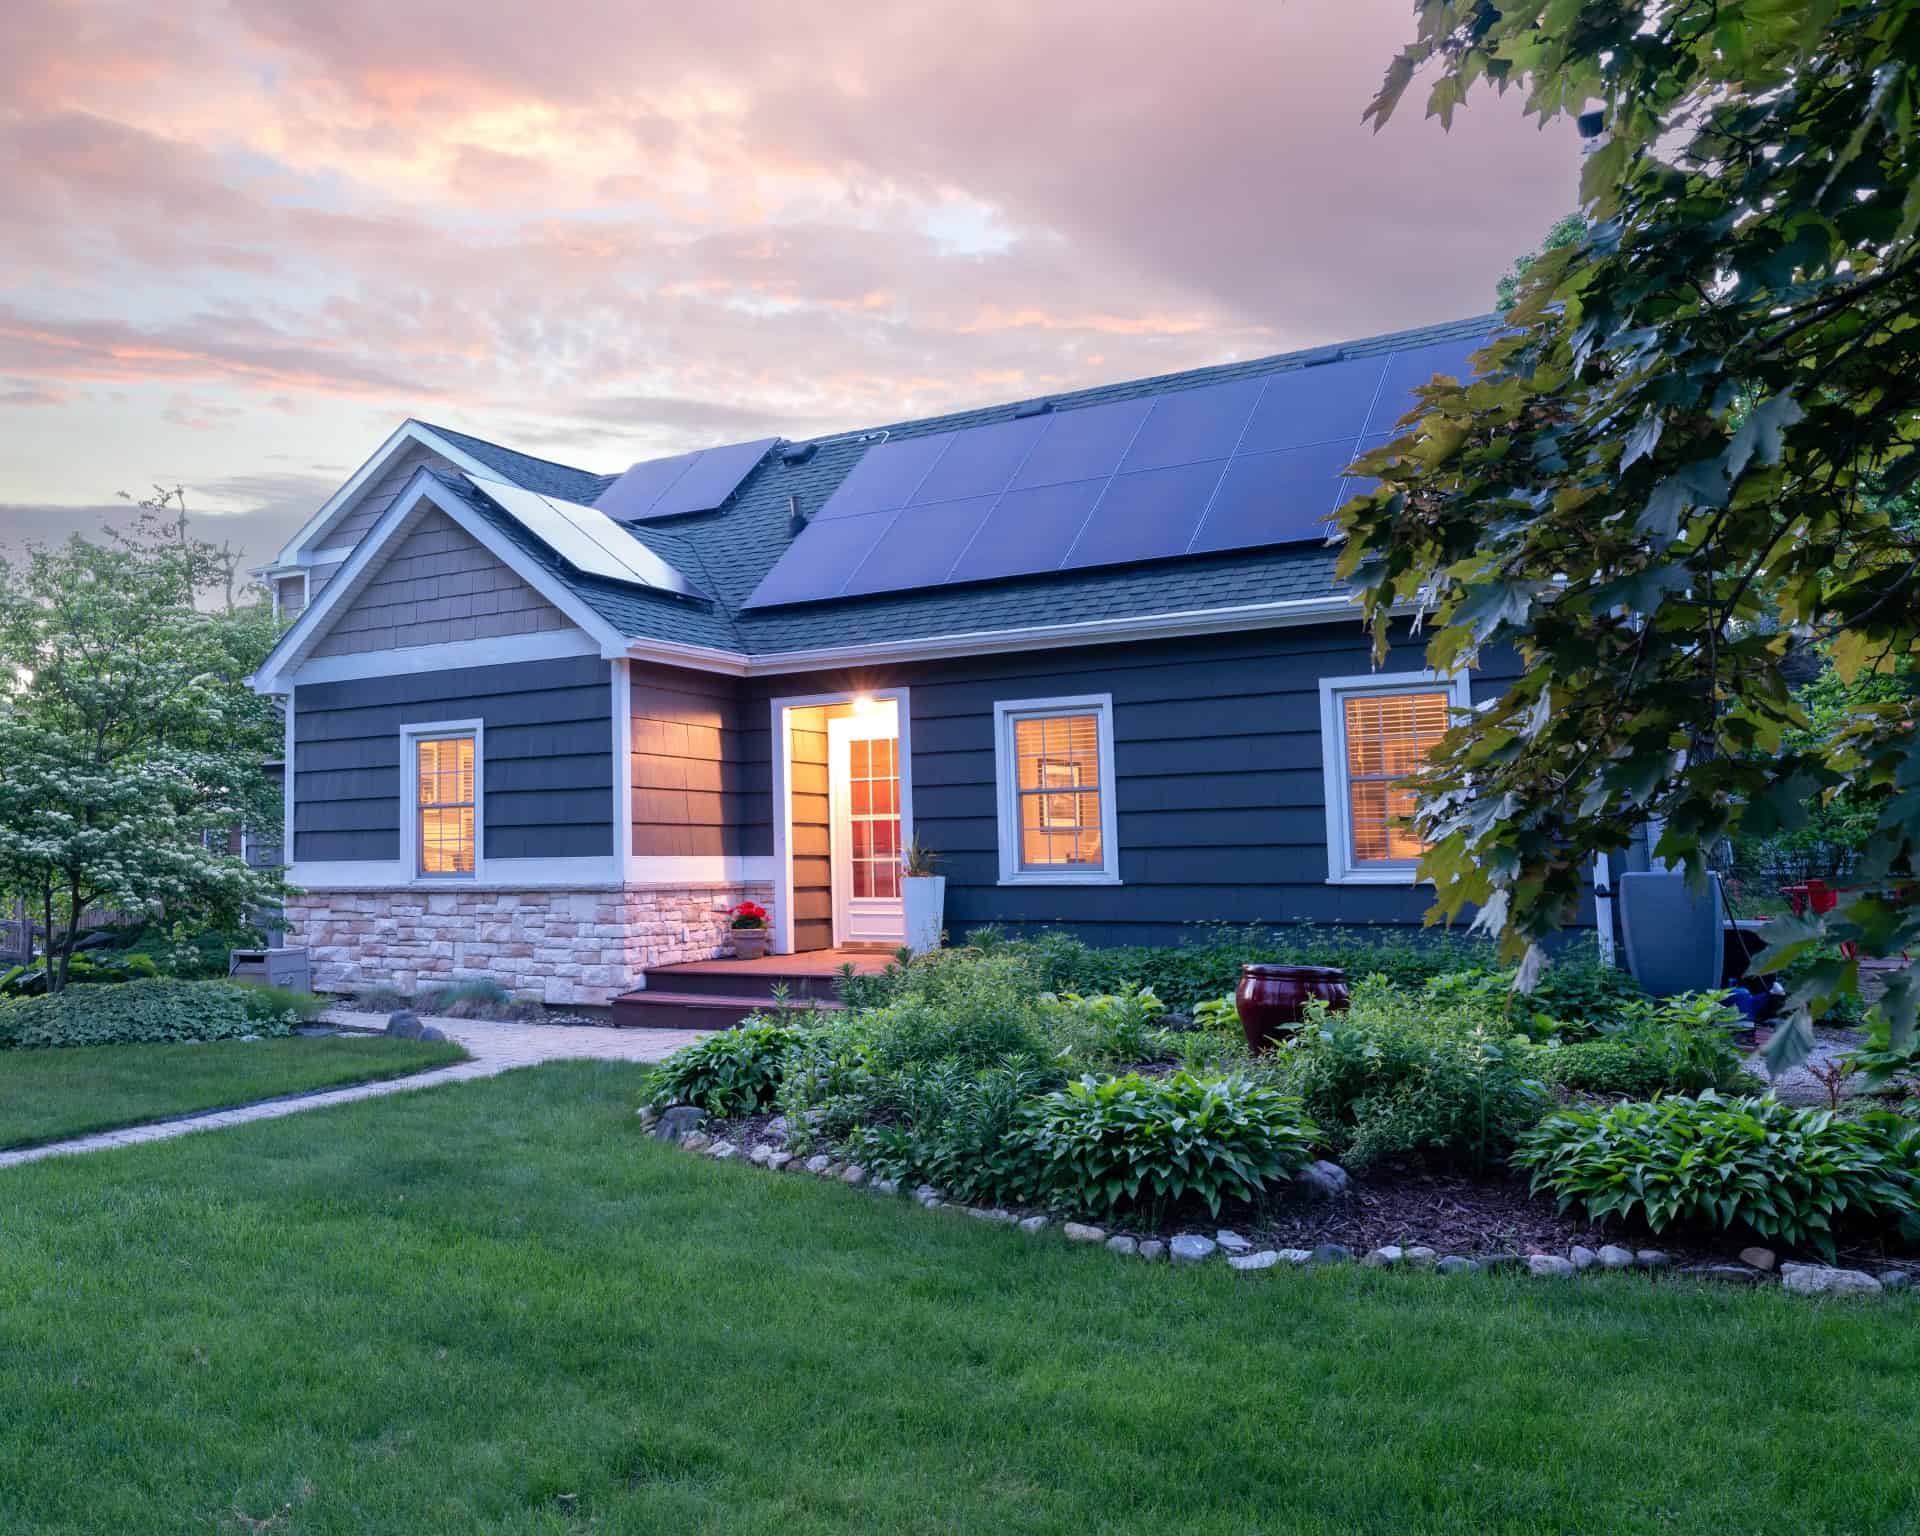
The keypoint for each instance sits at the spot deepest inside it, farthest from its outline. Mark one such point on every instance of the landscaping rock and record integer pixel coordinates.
(696, 1141)
(989, 1213)
(723, 1151)
(1652, 1258)
(1080, 1232)
(1331, 1253)
(1820, 1280)
(1121, 1243)
(1321, 1181)
(778, 1160)
(1265, 1259)
(1583, 1258)
(929, 1195)
(1613, 1256)
(777, 1130)
(649, 1116)
(1232, 1242)
(1422, 1258)
(1152, 1249)
(404, 1025)
(1895, 1280)
(1385, 1258)
(1759, 1258)
(1549, 1266)
(677, 1123)
(833, 1170)
(1454, 1264)
(1296, 1256)
(760, 1154)
(854, 1174)
(1726, 1274)
(1191, 1248)
(819, 1163)
(1035, 1224)
(1495, 1262)
(888, 1187)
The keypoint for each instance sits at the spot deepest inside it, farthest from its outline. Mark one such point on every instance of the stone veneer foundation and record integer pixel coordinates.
(579, 946)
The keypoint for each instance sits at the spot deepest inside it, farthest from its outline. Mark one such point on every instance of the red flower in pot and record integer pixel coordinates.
(749, 930)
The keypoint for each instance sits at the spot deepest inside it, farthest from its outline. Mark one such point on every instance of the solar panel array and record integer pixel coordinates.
(586, 539)
(1237, 465)
(687, 482)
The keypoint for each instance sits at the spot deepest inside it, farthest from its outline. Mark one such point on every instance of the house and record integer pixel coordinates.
(548, 725)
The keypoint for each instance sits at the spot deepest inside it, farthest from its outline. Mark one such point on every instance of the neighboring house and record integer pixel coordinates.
(548, 725)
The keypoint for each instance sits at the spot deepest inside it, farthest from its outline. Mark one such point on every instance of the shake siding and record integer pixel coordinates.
(688, 779)
(548, 768)
(440, 584)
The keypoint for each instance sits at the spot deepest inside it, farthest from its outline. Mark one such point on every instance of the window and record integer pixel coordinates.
(1375, 731)
(873, 818)
(443, 824)
(1054, 762)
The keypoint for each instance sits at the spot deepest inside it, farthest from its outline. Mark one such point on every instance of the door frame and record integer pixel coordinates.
(783, 775)
(840, 824)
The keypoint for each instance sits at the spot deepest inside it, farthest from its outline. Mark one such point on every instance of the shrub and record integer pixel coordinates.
(381, 1000)
(135, 1012)
(731, 1072)
(1617, 1068)
(1108, 1030)
(285, 1004)
(477, 997)
(977, 1009)
(953, 1127)
(1394, 1077)
(1111, 1145)
(1787, 1174)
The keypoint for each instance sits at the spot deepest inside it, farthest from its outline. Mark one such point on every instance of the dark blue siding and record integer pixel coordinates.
(548, 773)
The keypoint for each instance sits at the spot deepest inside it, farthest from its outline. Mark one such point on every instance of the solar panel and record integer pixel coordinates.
(587, 539)
(686, 482)
(1236, 465)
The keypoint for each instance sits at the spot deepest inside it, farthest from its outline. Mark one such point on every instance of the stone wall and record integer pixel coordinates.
(562, 946)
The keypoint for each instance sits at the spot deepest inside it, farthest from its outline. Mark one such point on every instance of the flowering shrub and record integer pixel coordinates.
(749, 914)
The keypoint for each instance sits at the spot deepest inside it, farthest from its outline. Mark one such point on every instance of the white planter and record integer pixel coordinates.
(924, 898)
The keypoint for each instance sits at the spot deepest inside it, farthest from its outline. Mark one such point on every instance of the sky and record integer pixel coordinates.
(240, 242)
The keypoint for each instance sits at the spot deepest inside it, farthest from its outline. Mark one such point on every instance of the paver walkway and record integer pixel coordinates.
(495, 1048)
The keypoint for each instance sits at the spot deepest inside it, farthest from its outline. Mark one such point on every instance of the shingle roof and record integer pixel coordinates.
(727, 553)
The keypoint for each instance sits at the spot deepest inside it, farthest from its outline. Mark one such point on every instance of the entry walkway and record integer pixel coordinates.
(495, 1048)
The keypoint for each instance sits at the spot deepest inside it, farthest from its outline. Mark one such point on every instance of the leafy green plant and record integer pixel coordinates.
(143, 1012)
(952, 1127)
(281, 1003)
(1218, 1013)
(1108, 1146)
(1107, 1030)
(475, 997)
(1752, 1163)
(977, 1009)
(731, 1072)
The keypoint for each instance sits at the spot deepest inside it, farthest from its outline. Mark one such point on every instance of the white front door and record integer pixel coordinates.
(863, 785)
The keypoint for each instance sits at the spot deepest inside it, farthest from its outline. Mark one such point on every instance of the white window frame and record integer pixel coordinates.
(1006, 777)
(410, 738)
(1342, 867)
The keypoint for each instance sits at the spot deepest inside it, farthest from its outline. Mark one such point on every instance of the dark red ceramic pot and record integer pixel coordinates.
(1272, 999)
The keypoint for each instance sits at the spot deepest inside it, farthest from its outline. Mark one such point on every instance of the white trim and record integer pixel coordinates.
(1006, 793)
(590, 873)
(409, 432)
(421, 492)
(306, 588)
(841, 733)
(440, 730)
(782, 936)
(546, 645)
(1342, 868)
(622, 671)
(286, 786)
(698, 869)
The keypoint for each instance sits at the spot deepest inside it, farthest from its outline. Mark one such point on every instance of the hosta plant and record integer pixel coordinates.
(731, 1072)
(1792, 1175)
(1111, 1145)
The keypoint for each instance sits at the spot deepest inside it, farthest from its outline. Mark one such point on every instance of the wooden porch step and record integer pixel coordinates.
(653, 1008)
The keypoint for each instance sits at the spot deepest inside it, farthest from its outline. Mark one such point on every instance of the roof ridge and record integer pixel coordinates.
(474, 437)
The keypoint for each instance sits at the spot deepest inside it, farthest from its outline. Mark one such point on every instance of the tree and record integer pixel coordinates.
(129, 743)
(1566, 230)
(1689, 453)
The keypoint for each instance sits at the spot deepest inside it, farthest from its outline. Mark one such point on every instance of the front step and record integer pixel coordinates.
(652, 1009)
(734, 978)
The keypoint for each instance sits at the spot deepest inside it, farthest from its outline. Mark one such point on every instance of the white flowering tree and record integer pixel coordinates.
(130, 745)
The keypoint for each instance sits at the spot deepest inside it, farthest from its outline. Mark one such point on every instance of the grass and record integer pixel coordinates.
(499, 1307)
(51, 1095)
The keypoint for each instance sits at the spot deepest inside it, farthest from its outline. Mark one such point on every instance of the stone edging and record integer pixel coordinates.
(680, 1126)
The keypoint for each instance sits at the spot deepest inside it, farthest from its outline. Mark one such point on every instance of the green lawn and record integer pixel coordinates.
(51, 1095)
(497, 1307)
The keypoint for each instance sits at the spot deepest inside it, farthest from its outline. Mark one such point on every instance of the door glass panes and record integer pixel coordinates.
(873, 815)
(1388, 737)
(444, 772)
(1057, 758)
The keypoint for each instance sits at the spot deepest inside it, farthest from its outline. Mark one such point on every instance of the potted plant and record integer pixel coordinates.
(749, 931)
(923, 897)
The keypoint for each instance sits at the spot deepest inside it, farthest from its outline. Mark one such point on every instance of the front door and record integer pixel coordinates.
(863, 783)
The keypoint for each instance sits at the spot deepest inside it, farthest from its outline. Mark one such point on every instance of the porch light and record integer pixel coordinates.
(864, 704)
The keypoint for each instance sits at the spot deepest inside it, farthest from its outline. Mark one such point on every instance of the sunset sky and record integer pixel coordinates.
(242, 241)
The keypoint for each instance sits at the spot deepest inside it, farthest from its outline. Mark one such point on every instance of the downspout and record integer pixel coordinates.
(1603, 907)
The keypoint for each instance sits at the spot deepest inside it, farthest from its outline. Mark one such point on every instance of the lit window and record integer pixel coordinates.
(444, 775)
(1377, 732)
(1055, 766)
(873, 784)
